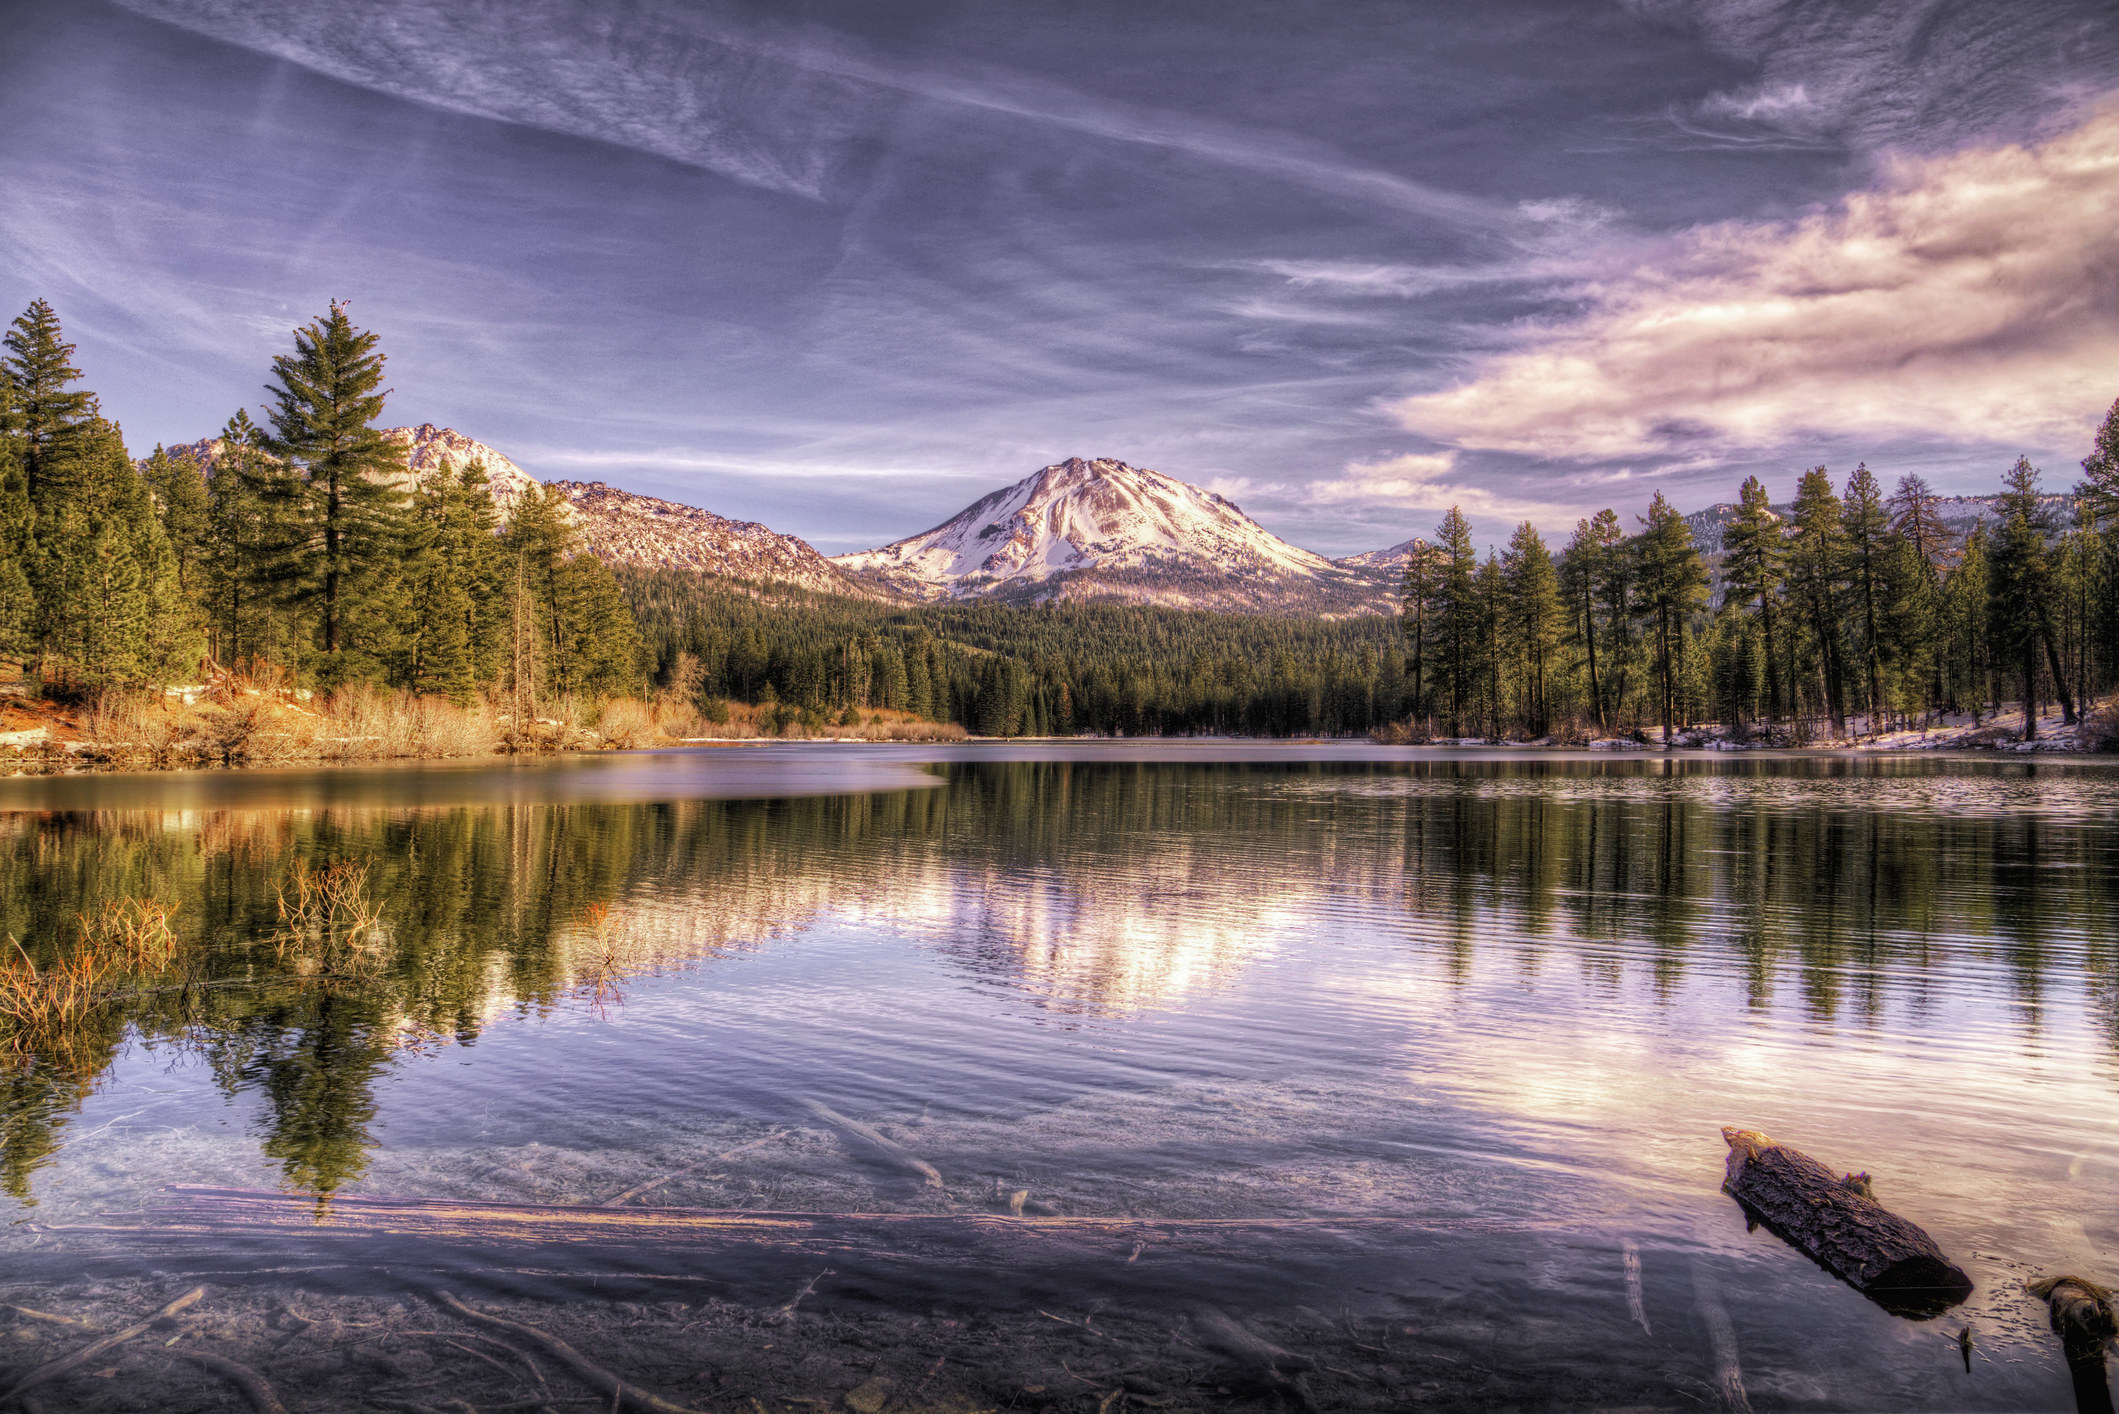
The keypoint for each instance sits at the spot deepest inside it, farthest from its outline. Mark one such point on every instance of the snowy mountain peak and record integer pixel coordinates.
(1098, 519)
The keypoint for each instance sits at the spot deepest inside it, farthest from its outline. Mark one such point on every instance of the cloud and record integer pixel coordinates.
(1871, 76)
(796, 109)
(1418, 481)
(1766, 101)
(1972, 297)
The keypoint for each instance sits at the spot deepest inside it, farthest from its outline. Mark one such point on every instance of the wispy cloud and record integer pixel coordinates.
(785, 107)
(1971, 297)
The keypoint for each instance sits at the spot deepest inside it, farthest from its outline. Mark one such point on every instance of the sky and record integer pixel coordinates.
(843, 266)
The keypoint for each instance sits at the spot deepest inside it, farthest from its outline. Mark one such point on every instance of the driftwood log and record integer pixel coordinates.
(2081, 1312)
(1833, 1219)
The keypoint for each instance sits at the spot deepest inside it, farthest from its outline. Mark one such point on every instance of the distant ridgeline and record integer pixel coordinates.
(323, 550)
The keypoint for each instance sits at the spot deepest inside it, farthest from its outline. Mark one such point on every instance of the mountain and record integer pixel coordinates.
(623, 528)
(1957, 513)
(1088, 530)
(1392, 561)
(430, 449)
(616, 526)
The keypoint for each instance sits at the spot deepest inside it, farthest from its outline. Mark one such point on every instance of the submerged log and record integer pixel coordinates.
(1833, 1219)
(752, 1256)
(2081, 1313)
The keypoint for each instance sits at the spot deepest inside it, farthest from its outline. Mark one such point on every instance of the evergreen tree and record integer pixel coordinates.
(1925, 547)
(1673, 583)
(347, 525)
(1584, 570)
(1864, 527)
(1533, 618)
(247, 498)
(1752, 568)
(50, 415)
(1421, 598)
(180, 500)
(1817, 556)
(2100, 471)
(1458, 612)
(2020, 592)
(455, 622)
(18, 603)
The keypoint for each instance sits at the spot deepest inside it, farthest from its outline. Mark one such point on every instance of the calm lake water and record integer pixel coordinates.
(1484, 1015)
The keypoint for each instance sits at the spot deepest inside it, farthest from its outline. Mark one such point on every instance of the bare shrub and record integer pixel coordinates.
(363, 723)
(41, 1004)
(327, 918)
(629, 723)
(133, 934)
(2099, 730)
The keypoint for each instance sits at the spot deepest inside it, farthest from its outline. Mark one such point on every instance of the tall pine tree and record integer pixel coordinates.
(344, 536)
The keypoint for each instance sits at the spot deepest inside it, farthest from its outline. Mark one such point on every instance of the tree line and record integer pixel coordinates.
(301, 551)
(1004, 670)
(1848, 610)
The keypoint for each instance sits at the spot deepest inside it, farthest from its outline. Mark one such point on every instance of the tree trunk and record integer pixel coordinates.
(1841, 1228)
(2052, 659)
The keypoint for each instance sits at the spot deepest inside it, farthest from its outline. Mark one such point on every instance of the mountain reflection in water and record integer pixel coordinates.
(1088, 888)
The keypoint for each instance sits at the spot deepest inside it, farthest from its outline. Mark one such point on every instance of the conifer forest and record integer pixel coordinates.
(305, 554)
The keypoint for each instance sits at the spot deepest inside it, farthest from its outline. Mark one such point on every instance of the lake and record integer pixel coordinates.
(1057, 1076)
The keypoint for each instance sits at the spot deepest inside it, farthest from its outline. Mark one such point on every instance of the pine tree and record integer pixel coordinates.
(454, 630)
(1926, 544)
(345, 534)
(1582, 573)
(1420, 599)
(1457, 616)
(180, 500)
(2020, 592)
(2100, 471)
(1533, 617)
(1673, 583)
(248, 495)
(1752, 563)
(51, 416)
(1817, 555)
(18, 603)
(1863, 527)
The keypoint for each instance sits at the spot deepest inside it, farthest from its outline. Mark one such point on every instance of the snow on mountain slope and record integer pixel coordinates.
(1104, 530)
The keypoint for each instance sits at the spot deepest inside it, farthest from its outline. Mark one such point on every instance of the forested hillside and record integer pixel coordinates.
(303, 558)
(1853, 609)
(1003, 670)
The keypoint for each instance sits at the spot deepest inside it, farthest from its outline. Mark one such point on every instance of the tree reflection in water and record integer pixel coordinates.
(1089, 887)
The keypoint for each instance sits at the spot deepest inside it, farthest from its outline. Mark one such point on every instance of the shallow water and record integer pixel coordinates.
(1485, 1014)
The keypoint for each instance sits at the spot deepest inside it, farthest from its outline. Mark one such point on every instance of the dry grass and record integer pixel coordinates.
(362, 723)
(39, 1004)
(255, 721)
(747, 723)
(43, 1009)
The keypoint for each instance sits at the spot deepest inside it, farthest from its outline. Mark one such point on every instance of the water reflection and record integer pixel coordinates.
(1084, 889)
